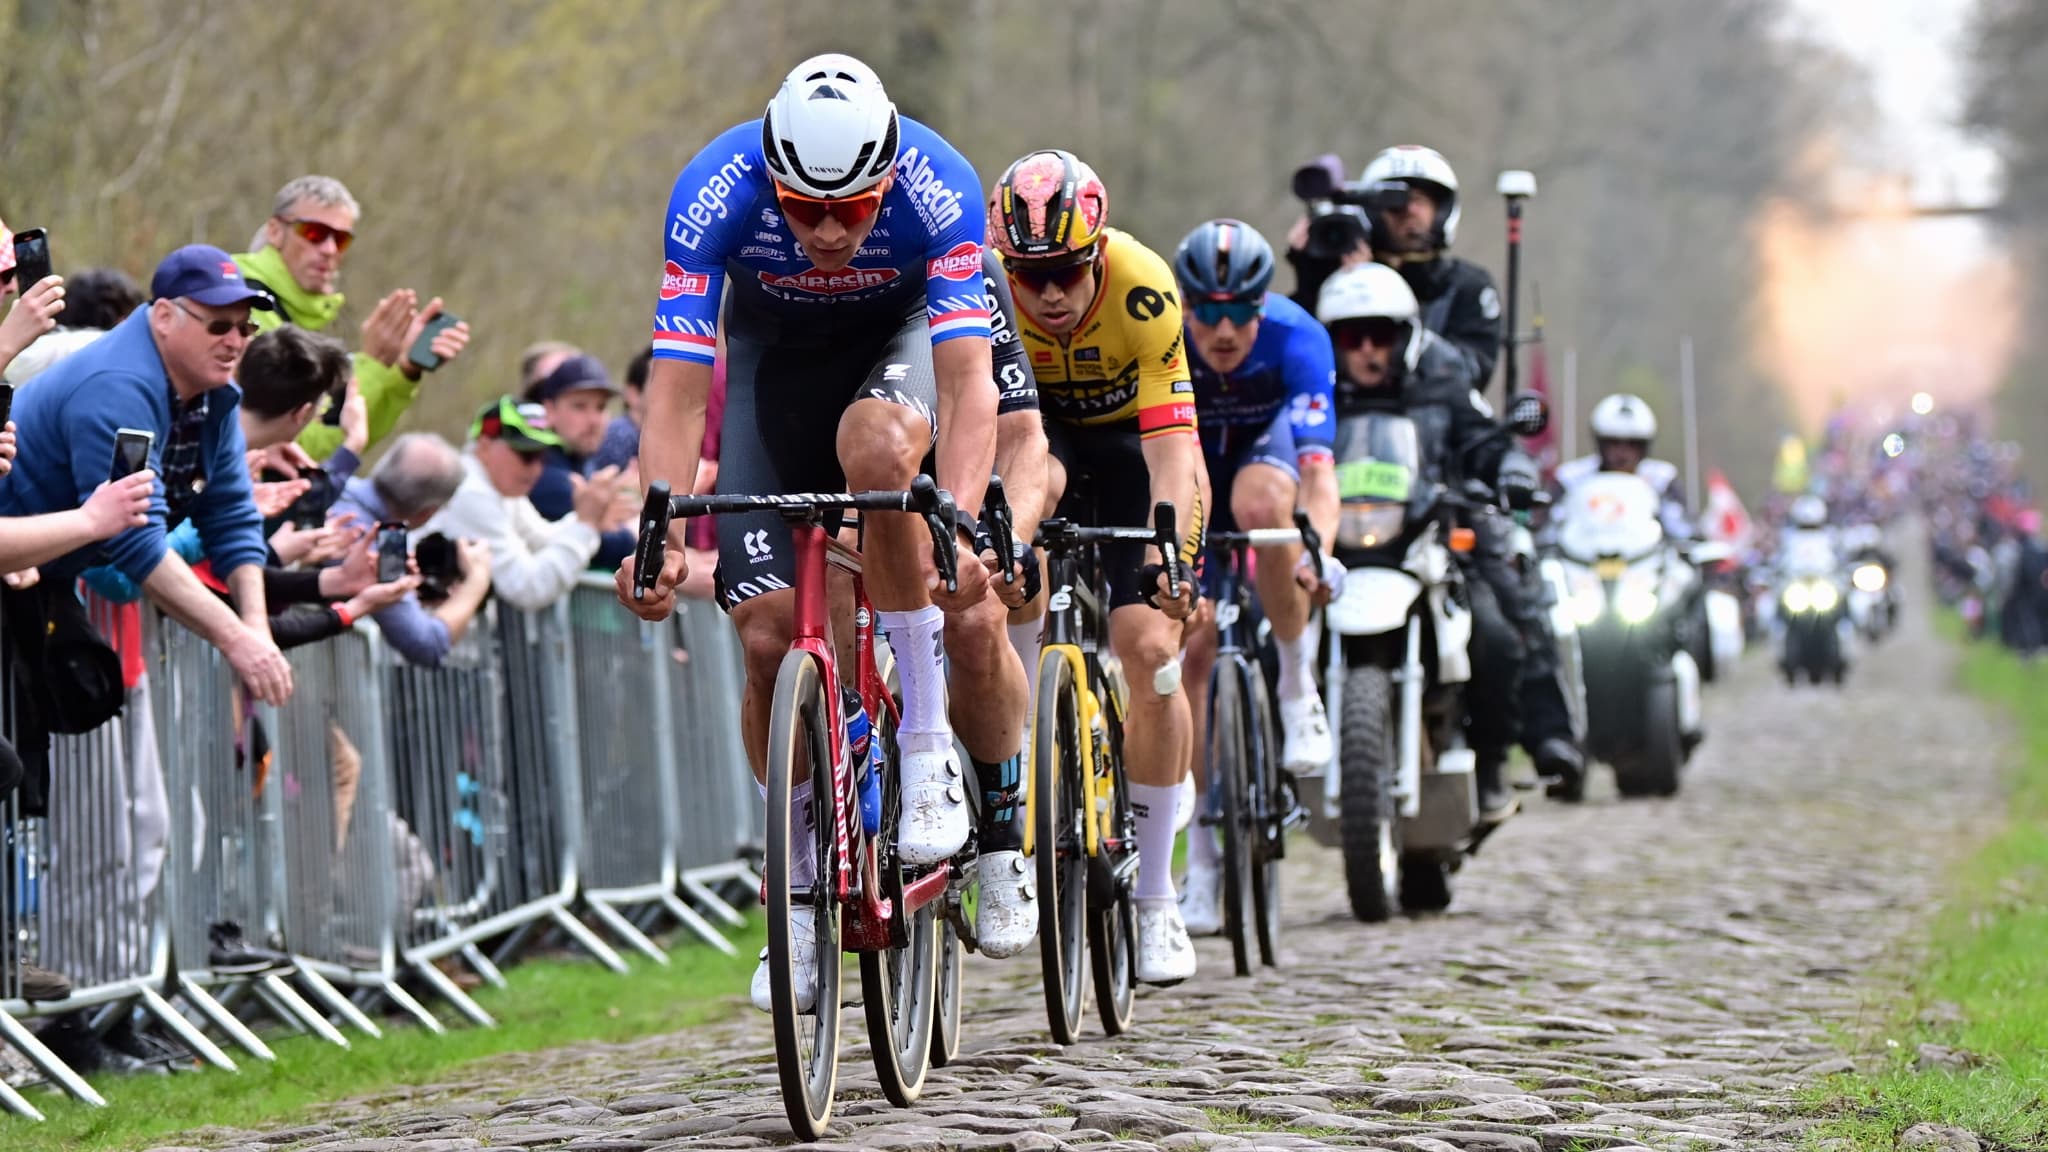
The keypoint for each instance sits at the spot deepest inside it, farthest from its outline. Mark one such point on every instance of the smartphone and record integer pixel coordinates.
(131, 451)
(422, 352)
(335, 399)
(391, 555)
(31, 258)
(6, 404)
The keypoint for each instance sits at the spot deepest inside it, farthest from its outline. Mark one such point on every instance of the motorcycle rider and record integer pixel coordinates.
(1623, 427)
(1388, 361)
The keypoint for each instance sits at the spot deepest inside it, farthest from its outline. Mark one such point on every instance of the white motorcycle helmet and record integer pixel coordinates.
(830, 130)
(1624, 417)
(1412, 163)
(1809, 511)
(1372, 292)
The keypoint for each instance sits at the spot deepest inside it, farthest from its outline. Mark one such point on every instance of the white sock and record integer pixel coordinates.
(917, 638)
(803, 855)
(1153, 805)
(1297, 664)
(1024, 638)
(1203, 851)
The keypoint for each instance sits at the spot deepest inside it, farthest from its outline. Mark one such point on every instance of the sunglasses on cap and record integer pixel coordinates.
(1238, 312)
(220, 328)
(1352, 335)
(1039, 277)
(810, 211)
(315, 233)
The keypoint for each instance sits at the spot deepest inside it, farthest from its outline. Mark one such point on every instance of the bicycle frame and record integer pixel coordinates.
(1070, 607)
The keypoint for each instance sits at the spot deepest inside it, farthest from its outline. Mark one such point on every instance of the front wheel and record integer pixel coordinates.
(1112, 910)
(1272, 802)
(806, 1043)
(900, 986)
(1370, 821)
(1654, 770)
(1229, 781)
(1059, 846)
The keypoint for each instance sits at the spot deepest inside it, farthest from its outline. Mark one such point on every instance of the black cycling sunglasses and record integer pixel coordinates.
(1039, 277)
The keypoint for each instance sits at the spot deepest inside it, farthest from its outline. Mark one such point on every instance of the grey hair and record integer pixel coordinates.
(419, 474)
(325, 190)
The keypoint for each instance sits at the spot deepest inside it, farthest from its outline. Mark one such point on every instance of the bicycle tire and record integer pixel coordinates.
(1270, 806)
(1059, 851)
(809, 1071)
(946, 1021)
(1229, 779)
(1113, 924)
(900, 985)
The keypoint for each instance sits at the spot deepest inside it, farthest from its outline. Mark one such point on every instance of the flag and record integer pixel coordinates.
(1725, 521)
(1544, 445)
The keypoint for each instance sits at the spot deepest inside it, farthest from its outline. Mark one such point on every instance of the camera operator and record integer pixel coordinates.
(1335, 231)
(1413, 196)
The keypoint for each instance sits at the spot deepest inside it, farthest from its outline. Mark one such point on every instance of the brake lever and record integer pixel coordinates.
(1311, 544)
(1169, 546)
(999, 522)
(649, 551)
(941, 520)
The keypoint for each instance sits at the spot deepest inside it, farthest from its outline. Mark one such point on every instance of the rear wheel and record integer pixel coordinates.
(1229, 782)
(900, 985)
(1371, 825)
(1271, 803)
(1058, 848)
(806, 1043)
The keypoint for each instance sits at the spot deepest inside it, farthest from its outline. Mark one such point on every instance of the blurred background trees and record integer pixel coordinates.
(515, 156)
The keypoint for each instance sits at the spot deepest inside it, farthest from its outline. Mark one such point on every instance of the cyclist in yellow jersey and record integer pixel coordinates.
(1101, 321)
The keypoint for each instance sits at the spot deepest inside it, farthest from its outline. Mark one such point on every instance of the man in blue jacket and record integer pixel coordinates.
(167, 370)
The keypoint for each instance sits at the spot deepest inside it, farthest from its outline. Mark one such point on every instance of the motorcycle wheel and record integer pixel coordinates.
(1655, 771)
(1370, 823)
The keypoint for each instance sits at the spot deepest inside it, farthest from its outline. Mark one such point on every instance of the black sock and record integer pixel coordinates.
(1000, 831)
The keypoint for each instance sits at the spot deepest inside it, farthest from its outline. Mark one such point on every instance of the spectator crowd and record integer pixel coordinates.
(211, 446)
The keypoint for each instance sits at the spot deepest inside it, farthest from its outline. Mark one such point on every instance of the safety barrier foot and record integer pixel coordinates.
(698, 926)
(16, 1103)
(295, 1006)
(340, 1005)
(59, 1073)
(453, 993)
(191, 1037)
(588, 940)
(483, 966)
(624, 930)
(695, 884)
(223, 1019)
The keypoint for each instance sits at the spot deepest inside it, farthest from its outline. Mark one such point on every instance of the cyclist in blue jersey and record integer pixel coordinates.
(846, 244)
(1263, 374)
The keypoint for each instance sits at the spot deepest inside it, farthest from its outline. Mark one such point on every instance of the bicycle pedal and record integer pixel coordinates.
(1207, 821)
(1296, 817)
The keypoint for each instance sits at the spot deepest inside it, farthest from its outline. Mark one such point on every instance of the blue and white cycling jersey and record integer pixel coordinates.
(1291, 370)
(924, 252)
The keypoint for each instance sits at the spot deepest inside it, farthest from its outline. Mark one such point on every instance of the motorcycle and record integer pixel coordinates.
(1401, 800)
(1633, 596)
(1873, 601)
(1813, 616)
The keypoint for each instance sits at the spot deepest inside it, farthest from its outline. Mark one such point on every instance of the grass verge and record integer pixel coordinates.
(550, 1003)
(1983, 989)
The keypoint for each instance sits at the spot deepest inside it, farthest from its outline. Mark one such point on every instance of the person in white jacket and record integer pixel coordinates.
(534, 562)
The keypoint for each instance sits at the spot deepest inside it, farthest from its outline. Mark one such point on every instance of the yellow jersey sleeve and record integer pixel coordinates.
(1149, 305)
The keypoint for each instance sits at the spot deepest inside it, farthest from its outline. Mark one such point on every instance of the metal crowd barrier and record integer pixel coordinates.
(568, 761)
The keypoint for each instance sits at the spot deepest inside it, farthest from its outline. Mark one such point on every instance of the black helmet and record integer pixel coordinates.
(1223, 260)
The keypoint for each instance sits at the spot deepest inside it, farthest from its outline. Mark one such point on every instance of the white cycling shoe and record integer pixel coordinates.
(1201, 901)
(1006, 915)
(1306, 728)
(932, 824)
(805, 934)
(1165, 954)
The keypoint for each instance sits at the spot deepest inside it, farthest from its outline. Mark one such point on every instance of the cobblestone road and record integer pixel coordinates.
(1653, 974)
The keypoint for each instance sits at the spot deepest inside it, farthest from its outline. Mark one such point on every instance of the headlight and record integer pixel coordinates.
(1587, 604)
(1824, 596)
(1797, 598)
(1370, 525)
(1870, 578)
(1635, 605)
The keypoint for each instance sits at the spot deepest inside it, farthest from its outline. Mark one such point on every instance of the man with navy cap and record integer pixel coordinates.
(577, 395)
(167, 370)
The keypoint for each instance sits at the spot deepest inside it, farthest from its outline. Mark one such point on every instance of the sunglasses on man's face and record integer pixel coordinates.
(220, 328)
(315, 233)
(1357, 334)
(1238, 312)
(810, 211)
(1039, 277)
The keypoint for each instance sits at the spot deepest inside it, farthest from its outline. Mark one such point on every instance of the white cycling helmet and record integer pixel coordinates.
(1372, 292)
(1809, 511)
(1413, 163)
(1624, 417)
(830, 130)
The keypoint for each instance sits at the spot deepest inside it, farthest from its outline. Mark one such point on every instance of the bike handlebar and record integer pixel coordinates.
(924, 497)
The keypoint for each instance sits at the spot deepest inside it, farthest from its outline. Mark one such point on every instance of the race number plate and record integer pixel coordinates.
(1372, 480)
(1610, 568)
